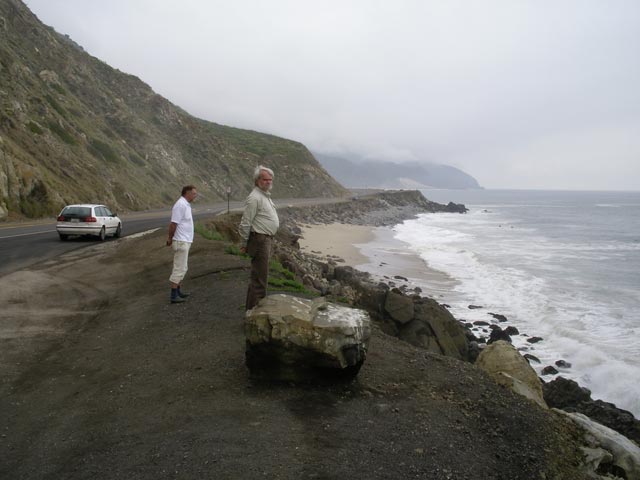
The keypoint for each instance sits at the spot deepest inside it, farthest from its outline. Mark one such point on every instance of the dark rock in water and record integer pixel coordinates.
(534, 339)
(562, 393)
(498, 334)
(499, 317)
(563, 364)
(400, 277)
(569, 396)
(480, 323)
(455, 208)
(445, 305)
(417, 290)
(531, 358)
(549, 370)
(511, 330)
(467, 324)
(473, 307)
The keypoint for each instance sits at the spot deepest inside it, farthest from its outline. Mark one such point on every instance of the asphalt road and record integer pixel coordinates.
(23, 244)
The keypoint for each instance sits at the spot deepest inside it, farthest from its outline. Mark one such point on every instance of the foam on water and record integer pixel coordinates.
(580, 294)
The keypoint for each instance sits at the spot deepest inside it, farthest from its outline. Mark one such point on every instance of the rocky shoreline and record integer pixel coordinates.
(403, 312)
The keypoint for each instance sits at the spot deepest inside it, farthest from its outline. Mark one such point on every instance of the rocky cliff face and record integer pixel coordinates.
(73, 129)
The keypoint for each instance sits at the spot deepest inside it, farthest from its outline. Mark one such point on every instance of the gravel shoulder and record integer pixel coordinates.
(100, 377)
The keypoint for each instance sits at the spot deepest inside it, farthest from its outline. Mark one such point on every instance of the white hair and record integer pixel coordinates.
(260, 168)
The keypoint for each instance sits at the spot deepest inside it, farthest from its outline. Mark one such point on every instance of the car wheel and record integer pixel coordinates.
(118, 231)
(103, 234)
(63, 237)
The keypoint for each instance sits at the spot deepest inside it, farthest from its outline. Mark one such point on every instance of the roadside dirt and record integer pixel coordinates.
(102, 378)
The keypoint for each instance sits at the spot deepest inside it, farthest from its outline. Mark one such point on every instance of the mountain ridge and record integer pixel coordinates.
(74, 129)
(354, 172)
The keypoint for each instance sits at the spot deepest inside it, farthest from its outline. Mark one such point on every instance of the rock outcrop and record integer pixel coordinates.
(421, 321)
(608, 452)
(567, 395)
(507, 367)
(294, 339)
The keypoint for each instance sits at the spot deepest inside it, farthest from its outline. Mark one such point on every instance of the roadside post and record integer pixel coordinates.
(228, 196)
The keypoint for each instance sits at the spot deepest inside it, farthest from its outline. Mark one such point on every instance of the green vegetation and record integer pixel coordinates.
(283, 279)
(210, 233)
(102, 150)
(58, 89)
(99, 122)
(137, 159)
(35, 128)
(36, 204)
(260, 144)
(65, 136)
(56, 106)
(235, 250)
(275, 267)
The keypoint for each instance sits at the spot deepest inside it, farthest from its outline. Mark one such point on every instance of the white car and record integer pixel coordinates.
(86, 219)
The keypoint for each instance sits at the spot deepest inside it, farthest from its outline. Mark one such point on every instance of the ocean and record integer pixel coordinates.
(564, 266)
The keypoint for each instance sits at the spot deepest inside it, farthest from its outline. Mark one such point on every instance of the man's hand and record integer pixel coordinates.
(243, 250)
(169, 241)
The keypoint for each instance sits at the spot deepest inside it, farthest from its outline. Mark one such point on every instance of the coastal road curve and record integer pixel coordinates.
(23, 244)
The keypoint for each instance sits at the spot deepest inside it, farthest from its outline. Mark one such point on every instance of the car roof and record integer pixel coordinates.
(86, 205)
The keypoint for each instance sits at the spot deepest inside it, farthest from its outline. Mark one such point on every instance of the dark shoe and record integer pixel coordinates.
(178, 300)
(183, 294)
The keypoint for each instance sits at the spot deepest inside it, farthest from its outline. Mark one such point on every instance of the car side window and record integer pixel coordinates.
(107, 212)
(100, 212)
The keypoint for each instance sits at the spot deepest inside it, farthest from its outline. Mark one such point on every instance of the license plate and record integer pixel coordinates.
(74, 220)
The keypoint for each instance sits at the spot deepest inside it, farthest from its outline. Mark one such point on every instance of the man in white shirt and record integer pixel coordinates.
(180, 239)
(258, 226)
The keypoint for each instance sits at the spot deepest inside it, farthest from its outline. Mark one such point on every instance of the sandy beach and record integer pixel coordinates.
(337, 240)
(374, 250)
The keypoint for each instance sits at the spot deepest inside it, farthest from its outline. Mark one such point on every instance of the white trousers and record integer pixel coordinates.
(180, 260)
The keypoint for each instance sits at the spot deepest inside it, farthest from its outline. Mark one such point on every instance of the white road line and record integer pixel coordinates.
(27, 234)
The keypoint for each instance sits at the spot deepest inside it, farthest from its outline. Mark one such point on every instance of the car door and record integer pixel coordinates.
(111, 221)
(102, 218)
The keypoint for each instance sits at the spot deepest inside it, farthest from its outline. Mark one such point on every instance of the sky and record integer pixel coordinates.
(526, 94)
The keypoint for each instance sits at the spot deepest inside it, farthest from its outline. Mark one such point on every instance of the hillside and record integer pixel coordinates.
(73, 129)
(355, 173)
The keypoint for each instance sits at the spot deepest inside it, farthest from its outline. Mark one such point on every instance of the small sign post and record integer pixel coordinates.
(228, 196)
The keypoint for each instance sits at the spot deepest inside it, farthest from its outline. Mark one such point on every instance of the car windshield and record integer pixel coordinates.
(79, 212)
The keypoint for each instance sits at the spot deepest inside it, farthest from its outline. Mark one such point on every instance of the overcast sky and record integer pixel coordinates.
(518, 93)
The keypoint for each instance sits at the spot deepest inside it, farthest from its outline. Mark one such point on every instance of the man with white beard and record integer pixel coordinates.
(258, 226)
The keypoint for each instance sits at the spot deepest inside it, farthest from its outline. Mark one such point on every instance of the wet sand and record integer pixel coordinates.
(337, 240)
(375, 250)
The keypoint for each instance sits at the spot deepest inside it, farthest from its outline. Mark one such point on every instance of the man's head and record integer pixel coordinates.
(189, 192)
(263, 178)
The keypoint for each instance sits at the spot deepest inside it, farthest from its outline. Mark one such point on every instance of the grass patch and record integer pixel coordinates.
(102, 150)
(56, 106)
(210, 233)
(235, 250)
(35, 128)
(58, 89)
(276, 268)
(65, 136)
(283, 279)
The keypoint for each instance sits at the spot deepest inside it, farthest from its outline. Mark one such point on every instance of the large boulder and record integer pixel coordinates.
(294, 339)
(624, 458)
(435, 329)
(507, 367)
(399, 306)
